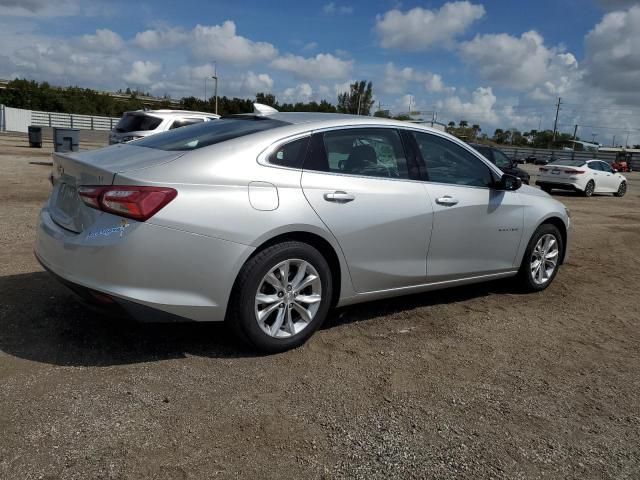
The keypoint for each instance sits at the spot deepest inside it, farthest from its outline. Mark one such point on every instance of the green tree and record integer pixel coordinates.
(463, 123)
(358, 100)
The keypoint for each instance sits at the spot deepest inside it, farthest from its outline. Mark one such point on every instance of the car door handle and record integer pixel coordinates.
(447, 200)
(339, 197)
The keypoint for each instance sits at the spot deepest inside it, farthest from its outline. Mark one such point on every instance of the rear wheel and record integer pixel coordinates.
(546, 189)
(541, 259)
(622, 189)
(281, 297)
(589, 189)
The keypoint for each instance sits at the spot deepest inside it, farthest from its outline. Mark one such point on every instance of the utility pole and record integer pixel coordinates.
(626, 144)
(575, 135)
(593, 139)
(555, 124)
(613, 144)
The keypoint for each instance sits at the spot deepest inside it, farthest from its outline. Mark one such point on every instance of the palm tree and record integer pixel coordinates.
(452, 124)
(463, 123)
(476, 129)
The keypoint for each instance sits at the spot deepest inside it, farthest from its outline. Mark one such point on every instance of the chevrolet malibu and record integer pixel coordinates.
(268, 220)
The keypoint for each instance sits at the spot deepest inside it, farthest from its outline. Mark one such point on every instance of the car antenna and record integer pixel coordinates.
(262, 110)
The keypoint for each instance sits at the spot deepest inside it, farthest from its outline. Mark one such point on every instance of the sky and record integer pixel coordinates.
(496, 63)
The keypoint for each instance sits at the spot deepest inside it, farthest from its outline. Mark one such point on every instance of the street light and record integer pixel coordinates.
(215, 87)
(593, 135)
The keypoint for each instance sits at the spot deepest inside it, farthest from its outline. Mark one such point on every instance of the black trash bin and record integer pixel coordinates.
(66, 139)
(35, 136)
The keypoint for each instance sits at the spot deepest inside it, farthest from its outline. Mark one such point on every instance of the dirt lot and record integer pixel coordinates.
(474, 382)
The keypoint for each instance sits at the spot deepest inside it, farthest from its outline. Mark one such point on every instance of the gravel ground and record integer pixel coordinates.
(473, 382)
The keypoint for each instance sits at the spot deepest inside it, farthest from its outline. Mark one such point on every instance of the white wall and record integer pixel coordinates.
(16, 119)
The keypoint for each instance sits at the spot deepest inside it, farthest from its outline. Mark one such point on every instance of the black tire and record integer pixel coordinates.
(241, 316)
(589, 188)
(546, 189)
(525, 275)
(622, 189)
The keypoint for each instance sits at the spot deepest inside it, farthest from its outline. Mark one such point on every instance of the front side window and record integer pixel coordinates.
(371, 152)
(501, 160)
(290, 154)
(605, 167)
(447, 162)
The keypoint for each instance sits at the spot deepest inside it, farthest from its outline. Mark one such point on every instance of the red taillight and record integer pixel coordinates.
(542, 169)
(138, 203)
(574, 172)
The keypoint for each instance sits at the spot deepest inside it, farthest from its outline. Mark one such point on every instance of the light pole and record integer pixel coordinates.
(215, 88)
(593, 139)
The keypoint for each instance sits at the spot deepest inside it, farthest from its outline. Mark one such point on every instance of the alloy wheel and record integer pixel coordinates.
(288, 298)
(588, 191)
(544, 259)
(622, 189)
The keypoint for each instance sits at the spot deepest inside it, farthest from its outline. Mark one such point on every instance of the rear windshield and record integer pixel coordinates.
(137, 123)
(208, 133)
(568, 163)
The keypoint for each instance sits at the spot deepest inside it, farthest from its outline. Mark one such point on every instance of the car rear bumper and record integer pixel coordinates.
(559, 185)
(143, 267)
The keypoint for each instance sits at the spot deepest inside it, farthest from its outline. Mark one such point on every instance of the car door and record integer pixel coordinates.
(359, 182)
(610, 179)
(598, 176)
(477, 229)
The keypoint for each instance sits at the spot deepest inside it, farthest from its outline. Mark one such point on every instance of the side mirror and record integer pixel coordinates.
(509, 183)
(615, 170)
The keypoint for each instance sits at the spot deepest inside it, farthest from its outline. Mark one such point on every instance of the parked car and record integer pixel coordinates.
(530, 159)
(268, 220)
(543, 160)
(142, 123)
(504, 163)
(592, 176)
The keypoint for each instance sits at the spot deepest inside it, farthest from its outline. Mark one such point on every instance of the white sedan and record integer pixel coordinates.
(586, 177)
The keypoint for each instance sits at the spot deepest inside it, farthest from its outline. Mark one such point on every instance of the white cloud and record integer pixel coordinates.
(160, 38)
(397, 80)
(310, 46)
(303, 92)
(209, 42)
(423, 29)
(141, 72)
(221, 43)
(323, 65)
(331, 8)
(104, 40)
(478, 110)
(612, 55)
(522, 63)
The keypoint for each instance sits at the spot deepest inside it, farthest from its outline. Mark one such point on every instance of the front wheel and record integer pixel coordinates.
(541, 258)
(622, 189)
(281, 297)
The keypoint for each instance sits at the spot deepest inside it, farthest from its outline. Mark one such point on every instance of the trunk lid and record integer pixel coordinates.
(97, 167)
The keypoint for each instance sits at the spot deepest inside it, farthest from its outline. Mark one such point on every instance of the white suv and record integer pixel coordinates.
(142, 123)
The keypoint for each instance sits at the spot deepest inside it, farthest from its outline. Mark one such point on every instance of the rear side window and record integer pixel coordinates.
(369, 152)
(595, 166)
(290, 154)
(450, 163)
(183, 122)
(208, 133)
(137, 123)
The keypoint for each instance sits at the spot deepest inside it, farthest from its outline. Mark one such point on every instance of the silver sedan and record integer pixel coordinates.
(268, 220)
